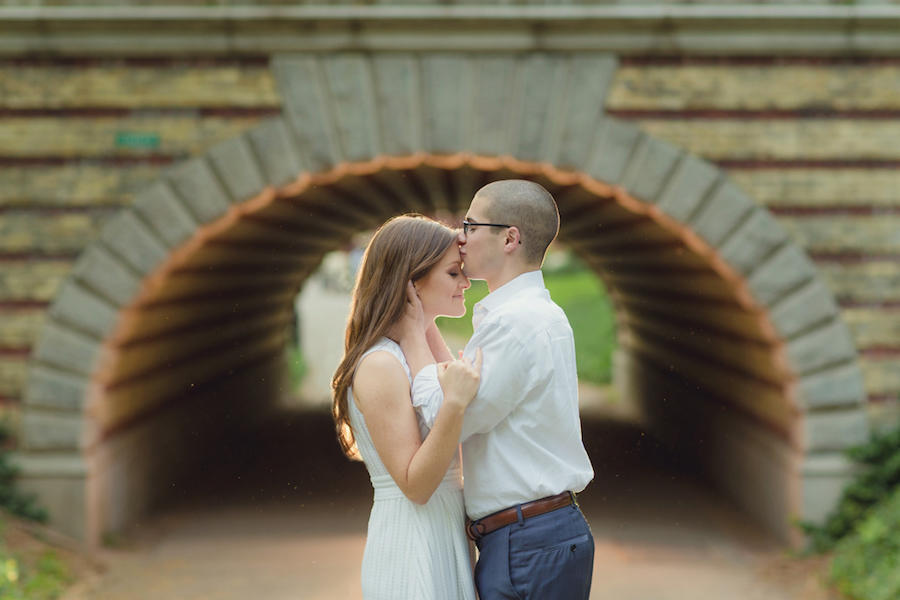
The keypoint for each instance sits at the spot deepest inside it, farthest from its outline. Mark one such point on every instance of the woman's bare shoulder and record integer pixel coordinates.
(379, 374)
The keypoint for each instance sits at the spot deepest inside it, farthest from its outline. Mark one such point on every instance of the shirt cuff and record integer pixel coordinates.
(427, 394)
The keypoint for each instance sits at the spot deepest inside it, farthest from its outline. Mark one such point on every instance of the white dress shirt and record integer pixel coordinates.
(521, 437)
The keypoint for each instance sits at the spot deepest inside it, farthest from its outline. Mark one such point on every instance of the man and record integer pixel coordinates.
(523, 458)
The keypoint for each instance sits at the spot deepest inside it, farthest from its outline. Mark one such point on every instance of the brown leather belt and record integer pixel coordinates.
(494, 521)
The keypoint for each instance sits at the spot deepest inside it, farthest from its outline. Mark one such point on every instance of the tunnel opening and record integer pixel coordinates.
(195, 363)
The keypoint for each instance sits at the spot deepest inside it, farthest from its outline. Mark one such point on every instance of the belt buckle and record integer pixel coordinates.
(475, 530)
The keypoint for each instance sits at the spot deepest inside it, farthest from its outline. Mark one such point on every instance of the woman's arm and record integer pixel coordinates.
(381, 390)
(436, 343)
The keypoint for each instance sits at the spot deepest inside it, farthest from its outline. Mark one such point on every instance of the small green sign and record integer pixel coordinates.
(137, 139)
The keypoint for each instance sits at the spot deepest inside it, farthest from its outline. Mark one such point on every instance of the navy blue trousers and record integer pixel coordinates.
(547, 557)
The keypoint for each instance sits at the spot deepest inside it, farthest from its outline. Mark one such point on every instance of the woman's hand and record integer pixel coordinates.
(410, 332)
(412, 323)
(460, 379)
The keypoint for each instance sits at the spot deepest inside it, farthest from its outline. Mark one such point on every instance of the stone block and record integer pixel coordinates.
(44, 431)
(350, 103)
(237, 168)
(874, 280)
(19, 327)
(824, 477)
(29, 231)
(494, 97)
(693, 178)
(589, 79)
(755, 239)
(802, 308)
(84, 137)
(838, 386)
(870, 326)
(166, 213)
(787, 269)
(722, 213)
(446, 80)
(842, 233)
(305, 101)
(134, 87)
(73, 184)
(780, 139)
(53, 388)
(755, 87)
(84, 309)
(62, 347)
(132, 240)
(649, 169)
(32, 280)
(834, 429)
(107, 274)
(829, 344)
(397, 89)
(819, 187)
(275, 147)
(881, 375)
(536, 105)
(200, 189)
(613, 145)
(61, 490)
(13, 373)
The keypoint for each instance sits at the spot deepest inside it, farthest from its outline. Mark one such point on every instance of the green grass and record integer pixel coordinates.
(583, 298)
(30, 573)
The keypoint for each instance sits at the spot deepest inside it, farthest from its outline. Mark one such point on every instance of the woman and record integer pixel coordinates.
(416, 547)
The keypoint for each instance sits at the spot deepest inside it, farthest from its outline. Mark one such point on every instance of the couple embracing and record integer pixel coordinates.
(404, 405)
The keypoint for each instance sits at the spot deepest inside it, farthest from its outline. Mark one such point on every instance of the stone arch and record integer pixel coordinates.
(729, 339)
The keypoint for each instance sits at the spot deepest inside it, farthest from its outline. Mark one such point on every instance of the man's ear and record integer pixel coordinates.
(513, 239)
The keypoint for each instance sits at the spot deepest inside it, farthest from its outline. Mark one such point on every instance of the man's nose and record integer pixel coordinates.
(461, 237)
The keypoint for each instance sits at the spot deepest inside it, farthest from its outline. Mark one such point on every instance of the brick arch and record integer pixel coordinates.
(730, 341)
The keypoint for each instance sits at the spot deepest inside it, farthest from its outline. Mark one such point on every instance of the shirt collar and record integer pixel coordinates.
(506, 292)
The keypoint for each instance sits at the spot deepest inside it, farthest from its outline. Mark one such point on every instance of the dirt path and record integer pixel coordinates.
(660, 535)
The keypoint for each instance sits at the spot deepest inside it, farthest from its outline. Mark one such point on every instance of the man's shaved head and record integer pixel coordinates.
(529, 207)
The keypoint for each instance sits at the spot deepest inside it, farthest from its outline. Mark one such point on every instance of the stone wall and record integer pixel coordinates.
(812, 139)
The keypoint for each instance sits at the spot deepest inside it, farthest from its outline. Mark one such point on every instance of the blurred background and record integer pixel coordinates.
(186, 190)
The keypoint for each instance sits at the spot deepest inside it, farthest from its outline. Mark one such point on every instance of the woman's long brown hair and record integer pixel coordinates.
(403, 249)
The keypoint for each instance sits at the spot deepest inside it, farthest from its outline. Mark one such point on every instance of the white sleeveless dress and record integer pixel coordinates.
(413, 551)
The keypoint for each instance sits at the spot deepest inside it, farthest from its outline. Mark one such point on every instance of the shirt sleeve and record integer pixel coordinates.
(427, 394)
(508, 371)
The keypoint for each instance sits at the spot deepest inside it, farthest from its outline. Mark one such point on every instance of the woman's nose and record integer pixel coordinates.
(466, 283)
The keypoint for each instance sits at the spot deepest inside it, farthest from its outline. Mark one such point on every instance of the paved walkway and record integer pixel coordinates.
(661, 535)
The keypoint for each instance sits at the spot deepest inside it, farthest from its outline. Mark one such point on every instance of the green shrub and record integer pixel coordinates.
(11, 498)
(46, 579)
(878, 479)
(866, 563)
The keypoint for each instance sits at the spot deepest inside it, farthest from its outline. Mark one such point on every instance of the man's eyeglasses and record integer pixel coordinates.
(469, 224)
